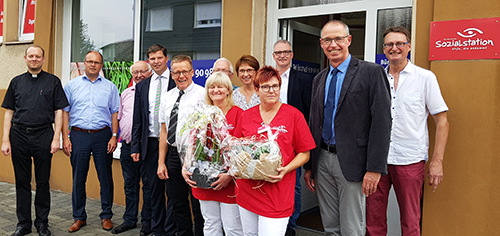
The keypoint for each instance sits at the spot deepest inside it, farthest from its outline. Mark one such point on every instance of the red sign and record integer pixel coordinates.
(29, 20)
(465, 39)
(1, 18)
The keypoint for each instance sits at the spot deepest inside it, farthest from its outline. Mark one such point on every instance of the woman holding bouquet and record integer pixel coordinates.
(218, 204)
(266, 206)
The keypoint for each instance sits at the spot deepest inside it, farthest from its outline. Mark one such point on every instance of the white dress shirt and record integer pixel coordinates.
(285, 78)
(417, 95)
(153, 85)
(192, 95)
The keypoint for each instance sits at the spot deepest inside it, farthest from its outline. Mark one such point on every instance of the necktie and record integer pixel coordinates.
(329, 108)
(157, 109)
(172, 124)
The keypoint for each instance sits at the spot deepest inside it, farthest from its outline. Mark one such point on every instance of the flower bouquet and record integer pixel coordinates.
(253, 157)
(200, 144)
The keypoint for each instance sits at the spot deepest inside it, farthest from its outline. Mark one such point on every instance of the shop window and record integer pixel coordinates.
(301, 3)
(208, 14)
(159, 19)
(27, 23)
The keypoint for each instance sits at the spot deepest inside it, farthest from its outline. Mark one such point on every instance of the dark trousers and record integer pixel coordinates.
(24, 145)
(83, 145)
(178, 191)
(162, 221)
(292, 222)
(132, 173)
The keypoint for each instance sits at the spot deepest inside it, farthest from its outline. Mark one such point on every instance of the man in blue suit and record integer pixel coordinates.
(146, 133)
(296, 91)
(350, 121)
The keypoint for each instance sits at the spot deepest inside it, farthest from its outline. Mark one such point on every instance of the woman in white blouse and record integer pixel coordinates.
(246, 69)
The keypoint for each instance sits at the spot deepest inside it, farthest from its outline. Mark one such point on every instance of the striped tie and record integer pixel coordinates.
(157, 108)
(172, 124)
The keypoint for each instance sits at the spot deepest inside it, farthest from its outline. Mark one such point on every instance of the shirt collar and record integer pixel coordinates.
(408, 68)
(166, 74)
(99, 77)
(343, 66)
(188, 89)
(286, 74)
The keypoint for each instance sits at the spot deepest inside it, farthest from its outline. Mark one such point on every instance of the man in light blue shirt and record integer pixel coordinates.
(92, 115)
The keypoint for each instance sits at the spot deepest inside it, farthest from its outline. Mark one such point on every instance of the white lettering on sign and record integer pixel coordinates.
(31, 22)
(466, 43)
(33, 2)
(203, 72)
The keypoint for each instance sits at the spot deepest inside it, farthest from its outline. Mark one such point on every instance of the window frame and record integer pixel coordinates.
(23, 8)
(196, 25)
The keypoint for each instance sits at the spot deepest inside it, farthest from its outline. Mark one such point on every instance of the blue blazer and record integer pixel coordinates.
(299, 91)
(362, 122)
(140, 126)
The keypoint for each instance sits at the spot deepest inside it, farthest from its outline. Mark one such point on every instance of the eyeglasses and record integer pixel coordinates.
(178, 73)
(338, 40)
(286, 53)
(242, 71)
(222, 70)
(398, 45)
(93, 62)
(267, 88)
(140, 72)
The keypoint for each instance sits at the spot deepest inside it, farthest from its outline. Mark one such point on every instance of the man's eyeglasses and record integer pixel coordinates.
(222, 70)
(242, 71)
(398, 45)
(140, 72)
(178, 73)
(93, 62)
(267, 88)
(279, 53)
(337, 40)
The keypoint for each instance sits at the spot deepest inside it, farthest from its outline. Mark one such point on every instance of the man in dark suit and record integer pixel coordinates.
(146, 133)
(296, 91)
(350, 121)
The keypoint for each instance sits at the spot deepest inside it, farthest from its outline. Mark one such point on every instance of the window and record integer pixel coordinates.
(27, 21)
(208, 14)
(159, 19)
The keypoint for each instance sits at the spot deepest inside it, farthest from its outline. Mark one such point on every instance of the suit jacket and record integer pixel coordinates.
(140, 126)
(299, 91)
(362, 122)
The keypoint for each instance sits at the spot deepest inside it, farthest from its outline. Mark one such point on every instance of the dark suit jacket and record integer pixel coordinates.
(140, 126)
(362, 122)
(299, 91)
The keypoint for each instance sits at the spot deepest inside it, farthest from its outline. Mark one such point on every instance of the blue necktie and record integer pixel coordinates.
(329, 108)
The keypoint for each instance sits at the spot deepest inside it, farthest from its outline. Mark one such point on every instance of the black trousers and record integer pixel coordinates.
(26, 143)
(178, 192)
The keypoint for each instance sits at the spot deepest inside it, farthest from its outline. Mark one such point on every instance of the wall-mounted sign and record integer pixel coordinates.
(465, 39)
(1, 19)
(29, 20)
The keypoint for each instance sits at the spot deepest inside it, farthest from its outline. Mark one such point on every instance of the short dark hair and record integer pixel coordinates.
(34, 46)
(247, 59)
(265, 74)
(398, 29)
(181, 58)
(102, 60)
(155, 48)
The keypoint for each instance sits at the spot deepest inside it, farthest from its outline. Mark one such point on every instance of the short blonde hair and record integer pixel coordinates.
(219, 78)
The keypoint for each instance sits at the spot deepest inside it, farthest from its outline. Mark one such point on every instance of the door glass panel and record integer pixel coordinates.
(387, 18)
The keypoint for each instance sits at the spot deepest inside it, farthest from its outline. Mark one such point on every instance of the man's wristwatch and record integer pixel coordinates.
(115, 135)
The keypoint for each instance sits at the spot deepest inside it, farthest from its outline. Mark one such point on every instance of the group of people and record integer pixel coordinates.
(356, 128)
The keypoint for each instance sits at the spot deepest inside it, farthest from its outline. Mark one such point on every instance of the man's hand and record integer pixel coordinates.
(162, 172)
(112, 144)
(67, 146)
(54, 146)
(309, 181)
(435, 173)
(370, 182)
(135, 156)
(6, 148)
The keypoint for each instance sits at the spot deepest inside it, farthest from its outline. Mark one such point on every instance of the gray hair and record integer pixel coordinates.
(226, 60)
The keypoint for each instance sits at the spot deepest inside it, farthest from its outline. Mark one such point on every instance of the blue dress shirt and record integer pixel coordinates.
(91, 103)
(342, 68)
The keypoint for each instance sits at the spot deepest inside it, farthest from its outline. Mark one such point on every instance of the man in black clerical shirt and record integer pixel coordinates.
(33, 102)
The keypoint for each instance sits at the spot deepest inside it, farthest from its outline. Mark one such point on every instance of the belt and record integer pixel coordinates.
(90, 131)
(329, 148)
(28, 129)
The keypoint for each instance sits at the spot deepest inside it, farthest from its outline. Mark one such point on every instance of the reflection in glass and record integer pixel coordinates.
(391, 17)
(301, 3)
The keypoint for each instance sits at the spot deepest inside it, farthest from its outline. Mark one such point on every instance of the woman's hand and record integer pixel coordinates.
(277, 178)
(222, 182)
(186, 174)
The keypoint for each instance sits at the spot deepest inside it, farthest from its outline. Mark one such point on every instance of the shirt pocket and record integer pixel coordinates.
(412, 101)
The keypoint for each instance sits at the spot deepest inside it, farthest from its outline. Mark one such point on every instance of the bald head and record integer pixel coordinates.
(140, 70)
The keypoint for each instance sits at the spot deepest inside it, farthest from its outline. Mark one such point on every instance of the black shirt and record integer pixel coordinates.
(34, 99)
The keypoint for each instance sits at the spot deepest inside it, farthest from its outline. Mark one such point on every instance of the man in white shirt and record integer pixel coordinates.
(174, 111)
(415, 93)
(295, 90)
